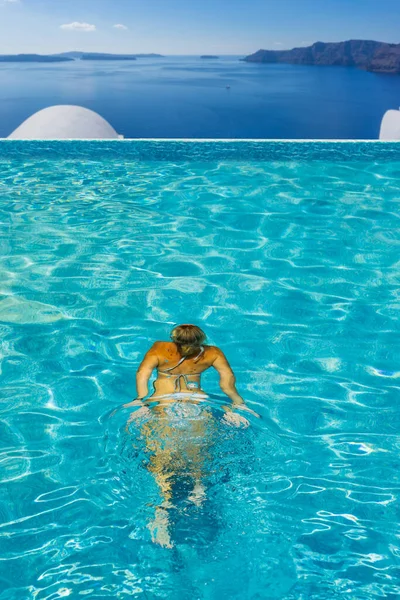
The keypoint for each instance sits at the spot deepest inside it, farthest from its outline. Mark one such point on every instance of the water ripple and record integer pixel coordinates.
(288, 257)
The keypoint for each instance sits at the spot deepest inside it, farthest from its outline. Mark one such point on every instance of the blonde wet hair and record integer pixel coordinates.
(188, 338)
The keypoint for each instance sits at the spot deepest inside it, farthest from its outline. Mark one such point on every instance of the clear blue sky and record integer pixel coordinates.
(190, 26)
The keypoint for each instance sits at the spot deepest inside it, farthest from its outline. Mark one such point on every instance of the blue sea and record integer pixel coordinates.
(186, 97)
(287, 255)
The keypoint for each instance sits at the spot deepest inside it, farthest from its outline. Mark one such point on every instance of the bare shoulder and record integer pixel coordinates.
(160, 346)
(219, 360)
(213, 352)
(164, 348)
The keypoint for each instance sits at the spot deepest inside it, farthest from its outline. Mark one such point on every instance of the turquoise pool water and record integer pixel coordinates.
(287, 254)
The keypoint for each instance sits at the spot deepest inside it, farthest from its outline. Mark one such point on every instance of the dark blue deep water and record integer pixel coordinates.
(187, 97)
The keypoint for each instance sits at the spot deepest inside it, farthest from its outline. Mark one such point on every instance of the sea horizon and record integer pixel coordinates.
(184, 97)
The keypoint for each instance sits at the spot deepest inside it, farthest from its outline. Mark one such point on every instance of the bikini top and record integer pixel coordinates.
(184, 376)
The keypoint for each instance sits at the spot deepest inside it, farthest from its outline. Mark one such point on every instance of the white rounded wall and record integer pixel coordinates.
(390, 126)
(65, 122)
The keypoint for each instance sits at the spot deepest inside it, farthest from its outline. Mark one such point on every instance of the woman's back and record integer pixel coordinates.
(180, 363)
(198, 361)
(178, 372)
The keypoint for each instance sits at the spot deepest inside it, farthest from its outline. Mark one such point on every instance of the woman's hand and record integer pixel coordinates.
(135, 402)
(142, 412)
(236, 419)
(246, 408)
(233, 418)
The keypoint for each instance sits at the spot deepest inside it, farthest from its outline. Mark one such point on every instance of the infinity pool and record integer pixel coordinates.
(287, 255)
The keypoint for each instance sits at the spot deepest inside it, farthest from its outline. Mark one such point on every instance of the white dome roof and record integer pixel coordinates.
(390, 126)
(64, 122)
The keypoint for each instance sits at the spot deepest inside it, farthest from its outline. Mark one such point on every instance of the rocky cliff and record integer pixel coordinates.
(373, 56)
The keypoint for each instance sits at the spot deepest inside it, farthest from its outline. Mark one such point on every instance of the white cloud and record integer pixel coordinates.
(278, 44)
(75, 26)
(120, 26)
(10, 1)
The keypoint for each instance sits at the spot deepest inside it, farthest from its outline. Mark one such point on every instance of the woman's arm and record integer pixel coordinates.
(143, 374)
(146, 367)
(227, 378)
(227, 382)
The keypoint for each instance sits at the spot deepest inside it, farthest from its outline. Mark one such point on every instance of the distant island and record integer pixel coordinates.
(105, 56)
(377, 57)
(209, 56)
(33, 58)
(71, 56)
(100, 56)
(149, 55)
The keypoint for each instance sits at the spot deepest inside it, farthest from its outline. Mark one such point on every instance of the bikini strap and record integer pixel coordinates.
(174, 367)
(199, 354)
(184, 358)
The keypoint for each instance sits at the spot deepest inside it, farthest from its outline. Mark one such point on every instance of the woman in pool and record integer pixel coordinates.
(179, 365)
(179, 437)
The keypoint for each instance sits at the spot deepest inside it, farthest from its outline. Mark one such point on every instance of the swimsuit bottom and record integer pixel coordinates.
(180, 410)
(179, 396)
